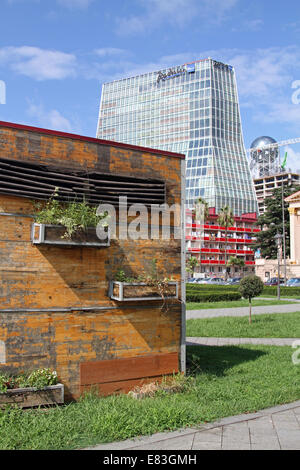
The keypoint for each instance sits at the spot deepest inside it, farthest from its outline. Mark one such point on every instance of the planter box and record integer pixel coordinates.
(128, 291)
(52, 235)
(28, 397)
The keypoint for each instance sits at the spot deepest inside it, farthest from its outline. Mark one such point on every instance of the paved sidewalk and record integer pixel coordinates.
(275, 298)
(276, 428)
(209, 341)
(270, 429)
(242, 311)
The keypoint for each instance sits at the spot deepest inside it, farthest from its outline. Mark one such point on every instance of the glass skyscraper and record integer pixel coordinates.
(191, 109)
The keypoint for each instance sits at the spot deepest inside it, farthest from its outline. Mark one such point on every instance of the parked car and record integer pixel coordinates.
(294, 281)
(202, 280)
(217, 281)
(234, 281)
(274, 281)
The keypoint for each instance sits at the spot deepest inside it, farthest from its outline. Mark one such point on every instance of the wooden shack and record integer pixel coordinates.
(56, 307)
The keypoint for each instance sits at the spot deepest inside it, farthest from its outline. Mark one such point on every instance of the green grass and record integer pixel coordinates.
(279, 325)
(234, 303)
(227, 381)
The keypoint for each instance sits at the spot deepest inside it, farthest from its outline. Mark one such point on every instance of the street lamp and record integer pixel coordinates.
(278, 238)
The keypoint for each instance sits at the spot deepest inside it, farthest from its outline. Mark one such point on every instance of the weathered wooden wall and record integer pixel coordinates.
(54, 305)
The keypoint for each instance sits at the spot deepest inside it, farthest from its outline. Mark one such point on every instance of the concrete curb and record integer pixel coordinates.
(134, 444)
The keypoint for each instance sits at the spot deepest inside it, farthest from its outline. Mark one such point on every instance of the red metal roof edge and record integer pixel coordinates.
(241, 218)
(93, 140)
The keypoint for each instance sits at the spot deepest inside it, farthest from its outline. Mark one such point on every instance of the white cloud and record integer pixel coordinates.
(293, 158)
(261, 71)
(75, 3)
(280, 111)
(72, 4)
(175, 12)
(39, 64)
(111, 51)
(249, 25)
(52, 119)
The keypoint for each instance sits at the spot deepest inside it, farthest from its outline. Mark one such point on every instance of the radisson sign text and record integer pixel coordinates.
(174, 72)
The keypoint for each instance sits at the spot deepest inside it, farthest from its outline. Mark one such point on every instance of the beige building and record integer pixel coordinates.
(294, 210)
(269, 268)
(265, 185)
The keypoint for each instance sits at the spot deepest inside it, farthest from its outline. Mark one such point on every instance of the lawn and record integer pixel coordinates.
(279, 325)
(226, 381)
(294, 297)
(234, 303)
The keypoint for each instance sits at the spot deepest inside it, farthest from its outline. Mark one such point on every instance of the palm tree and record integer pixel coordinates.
(234, 261)
(191, 263)
(201, 212)
(226, 219)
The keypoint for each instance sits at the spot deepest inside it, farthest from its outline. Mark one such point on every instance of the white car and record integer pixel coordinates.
(217, 280)
(293, 281)
(202, 280)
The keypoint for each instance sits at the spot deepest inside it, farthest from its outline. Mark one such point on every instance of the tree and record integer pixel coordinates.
(226, 219)
(234, 261)
(273, 215)
(201, 214)
(191, 263)
(250, 287)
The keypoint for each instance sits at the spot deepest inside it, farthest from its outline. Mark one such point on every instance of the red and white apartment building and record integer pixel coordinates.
(208, 243)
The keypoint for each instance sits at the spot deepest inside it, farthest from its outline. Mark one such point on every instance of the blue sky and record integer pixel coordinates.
(55, 54)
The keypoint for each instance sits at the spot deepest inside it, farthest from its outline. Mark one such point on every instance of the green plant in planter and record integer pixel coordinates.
(7, 382)
(38, 379)
(152, 278)
(120, 276)
(74, 216)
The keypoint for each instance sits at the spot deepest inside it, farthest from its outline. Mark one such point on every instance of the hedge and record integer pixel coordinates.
(268, 290)
(284, 290)
(210, 287)
(212, 296)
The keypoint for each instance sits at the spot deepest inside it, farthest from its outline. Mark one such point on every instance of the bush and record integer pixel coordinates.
(210, 287)
(284, 290)
(267, 290)
(251, 286)
(210, 293)
(212, 296)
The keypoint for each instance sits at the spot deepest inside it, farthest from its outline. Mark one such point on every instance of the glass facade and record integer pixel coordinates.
(191, 109)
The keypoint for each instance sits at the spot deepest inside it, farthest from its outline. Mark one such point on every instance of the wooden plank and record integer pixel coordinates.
(86, 178)
(28, 397)
(118, 387)
(12, 177)
(117, 193)
(117, 370)
(91, 200)
(35, 183)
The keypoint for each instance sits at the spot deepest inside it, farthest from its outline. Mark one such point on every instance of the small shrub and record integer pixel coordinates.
(251, 286)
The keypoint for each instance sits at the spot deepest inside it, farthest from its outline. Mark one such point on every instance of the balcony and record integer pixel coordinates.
(220, 251)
